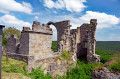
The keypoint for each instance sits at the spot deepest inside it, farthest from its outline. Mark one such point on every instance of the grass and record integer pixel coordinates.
(12, 65)
(65, 55)
(17, 69)
(13, 69)
(6, 75)
(116, 65)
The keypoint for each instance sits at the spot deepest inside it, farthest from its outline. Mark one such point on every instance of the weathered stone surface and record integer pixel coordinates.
(12, 43)
(63, 34)
(104, 73)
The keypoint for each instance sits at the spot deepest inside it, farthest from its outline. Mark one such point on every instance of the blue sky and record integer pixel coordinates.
(19, 13)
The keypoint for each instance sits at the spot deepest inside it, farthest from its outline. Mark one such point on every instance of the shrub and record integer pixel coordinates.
(39, 74)
(83, 70)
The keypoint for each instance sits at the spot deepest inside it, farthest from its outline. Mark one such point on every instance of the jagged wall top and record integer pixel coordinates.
(36, 27)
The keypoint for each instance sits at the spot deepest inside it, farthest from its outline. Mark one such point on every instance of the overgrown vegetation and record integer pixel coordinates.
(15, 66)
(83, 70)
(90, 25)
(12, 65)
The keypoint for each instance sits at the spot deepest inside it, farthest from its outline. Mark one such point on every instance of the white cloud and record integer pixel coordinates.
(11, 5)
(12, 21)
(36, 17)
(70, 5)
(104, 20)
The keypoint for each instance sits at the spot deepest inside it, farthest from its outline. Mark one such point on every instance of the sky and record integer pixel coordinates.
(19, 13)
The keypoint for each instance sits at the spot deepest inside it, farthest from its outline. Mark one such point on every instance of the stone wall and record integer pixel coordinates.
(63, 34)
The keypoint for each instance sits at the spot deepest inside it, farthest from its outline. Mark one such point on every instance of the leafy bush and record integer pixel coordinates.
(39, 74)
(83, 70)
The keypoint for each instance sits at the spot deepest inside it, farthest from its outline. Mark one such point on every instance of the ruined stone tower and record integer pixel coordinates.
(35, 44)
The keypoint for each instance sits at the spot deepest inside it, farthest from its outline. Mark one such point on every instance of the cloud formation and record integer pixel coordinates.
(104, 20)
(69, 5)
(11, 5)
(12, 21)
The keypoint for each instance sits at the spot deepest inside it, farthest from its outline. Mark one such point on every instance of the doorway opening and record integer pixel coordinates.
(54, 46)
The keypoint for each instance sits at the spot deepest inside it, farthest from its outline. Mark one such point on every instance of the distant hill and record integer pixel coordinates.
(111, 46)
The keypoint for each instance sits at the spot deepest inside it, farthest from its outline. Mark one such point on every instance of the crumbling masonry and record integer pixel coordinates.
(34, 46)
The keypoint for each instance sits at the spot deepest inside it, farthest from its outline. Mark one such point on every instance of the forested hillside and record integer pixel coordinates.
(109, 46)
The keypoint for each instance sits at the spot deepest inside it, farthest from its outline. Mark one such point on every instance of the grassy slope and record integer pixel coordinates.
(13, 69)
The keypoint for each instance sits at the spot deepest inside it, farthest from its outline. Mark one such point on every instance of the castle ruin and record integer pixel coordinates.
(34, 45)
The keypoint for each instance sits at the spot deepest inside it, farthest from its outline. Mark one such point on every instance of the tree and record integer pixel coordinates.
(7, 32)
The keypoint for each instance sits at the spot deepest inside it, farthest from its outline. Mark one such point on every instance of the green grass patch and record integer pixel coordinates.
(12, 65)
(15, 66)
(65, 55)
(116, 65)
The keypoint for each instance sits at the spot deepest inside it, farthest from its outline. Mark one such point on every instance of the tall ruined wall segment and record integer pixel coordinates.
(63, 34)
(86, 41)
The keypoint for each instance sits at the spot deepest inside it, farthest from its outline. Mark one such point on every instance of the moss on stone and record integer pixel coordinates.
(90, 25)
